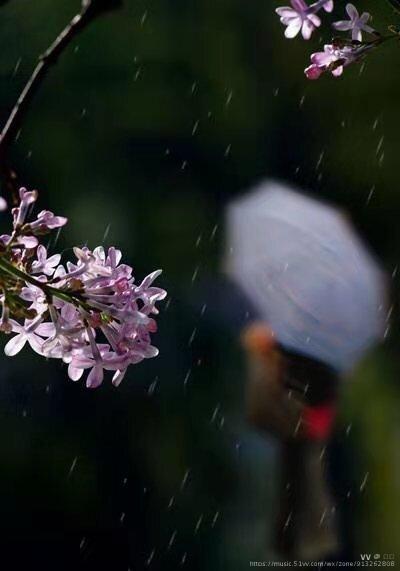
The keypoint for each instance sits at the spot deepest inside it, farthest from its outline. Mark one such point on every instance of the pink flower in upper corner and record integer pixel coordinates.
(301, 17)
(335, 58)
(3, 204)
(298, 17)
(356, 24)
(322, 61)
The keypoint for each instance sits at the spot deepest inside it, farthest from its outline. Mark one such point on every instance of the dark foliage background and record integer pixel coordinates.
(159, 114)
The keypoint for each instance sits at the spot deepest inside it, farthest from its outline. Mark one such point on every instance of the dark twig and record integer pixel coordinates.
(90, 9)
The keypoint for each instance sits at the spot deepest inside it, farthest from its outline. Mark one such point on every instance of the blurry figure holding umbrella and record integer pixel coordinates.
(320, 300)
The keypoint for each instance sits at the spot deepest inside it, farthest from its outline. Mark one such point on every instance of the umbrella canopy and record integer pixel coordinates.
(307, 272)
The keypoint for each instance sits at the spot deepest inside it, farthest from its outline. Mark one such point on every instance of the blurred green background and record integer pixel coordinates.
(153, 119)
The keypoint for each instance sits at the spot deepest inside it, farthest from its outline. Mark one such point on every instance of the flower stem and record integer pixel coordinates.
(12, 270)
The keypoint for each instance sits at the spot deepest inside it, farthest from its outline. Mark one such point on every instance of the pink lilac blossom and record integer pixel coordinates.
(90, 313)
(302, 17)
(335, 58)
(3, 204)
(356, 24)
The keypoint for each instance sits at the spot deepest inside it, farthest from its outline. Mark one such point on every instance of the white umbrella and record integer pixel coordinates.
(307, 273)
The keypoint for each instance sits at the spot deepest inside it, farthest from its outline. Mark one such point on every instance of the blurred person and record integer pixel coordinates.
(294, 398)
(319, 301)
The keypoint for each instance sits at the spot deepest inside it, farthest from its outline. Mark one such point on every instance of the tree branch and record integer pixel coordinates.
(90, 9)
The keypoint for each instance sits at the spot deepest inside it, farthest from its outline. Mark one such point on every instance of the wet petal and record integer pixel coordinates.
(293, 29)
(95, 377)
(15, 345)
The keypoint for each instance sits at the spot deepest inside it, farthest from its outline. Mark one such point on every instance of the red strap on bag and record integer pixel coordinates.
(318, 421)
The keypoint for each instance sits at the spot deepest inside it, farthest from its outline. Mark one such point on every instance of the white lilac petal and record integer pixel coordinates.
(45, 329)
(286, 12)
(74, 373)
(95, 377)
(118, 377)
(328, 6)
(29, 242)
(352, 11)
(15, 345)
(293, 29)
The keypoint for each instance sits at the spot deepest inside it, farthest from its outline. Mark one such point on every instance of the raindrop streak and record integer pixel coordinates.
(187, 377)
(150, 558)
(195, 128)
(16, 68)
(364, 482)
(143, 19)
(152, 387)
(193, 335)
(171, 541)
(288, 521)
(106, 232)
(198, 524)
(215, 519)
(195, 273)
(380, 144)
(56, 237)
(213, 233)
(73, 465)
(371, 192)
(214, 415)
(185, 479)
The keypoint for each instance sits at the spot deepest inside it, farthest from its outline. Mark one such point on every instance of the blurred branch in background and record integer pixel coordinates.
(90, 9)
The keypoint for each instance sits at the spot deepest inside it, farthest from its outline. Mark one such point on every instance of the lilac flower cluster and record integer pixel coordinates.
(341, 52)
(90, 313)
